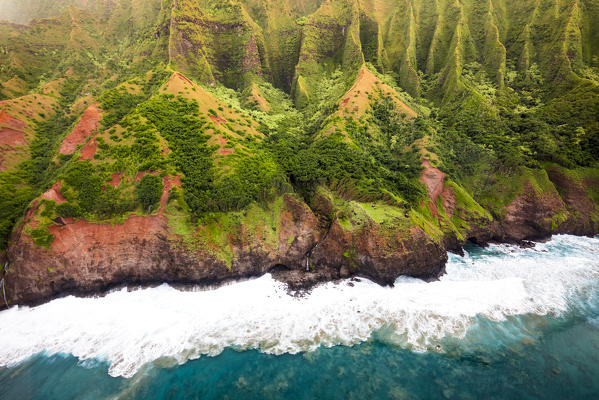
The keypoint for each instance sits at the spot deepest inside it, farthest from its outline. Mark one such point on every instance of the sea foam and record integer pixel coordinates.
(132, 328)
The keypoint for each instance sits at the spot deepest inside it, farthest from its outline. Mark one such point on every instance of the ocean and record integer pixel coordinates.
(503, 323)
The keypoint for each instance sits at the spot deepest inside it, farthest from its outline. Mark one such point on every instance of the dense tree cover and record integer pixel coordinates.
(205, 189)
(369, 168)
(15, 195)
(523, 123)
(177, 121)
(88, 195)
(148, 191)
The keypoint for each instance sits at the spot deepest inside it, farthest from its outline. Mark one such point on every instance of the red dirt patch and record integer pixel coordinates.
(218, 120)
(449, 201)
(54, 193)
(89, 150)
(221, 140)
(11, 122)
(168, 183)
(116, 179)
(434, 180)
(79, 239)
(223, 151)
(345, 101)
(184, 78)
(10, 137)
(85, 127)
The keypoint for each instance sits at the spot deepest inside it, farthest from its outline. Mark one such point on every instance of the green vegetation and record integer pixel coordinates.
(271, 98)
(148, 191)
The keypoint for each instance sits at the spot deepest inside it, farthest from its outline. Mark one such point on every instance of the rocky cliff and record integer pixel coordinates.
(332, 240)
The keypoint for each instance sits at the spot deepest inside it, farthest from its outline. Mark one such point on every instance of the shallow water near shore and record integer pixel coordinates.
(505, 322)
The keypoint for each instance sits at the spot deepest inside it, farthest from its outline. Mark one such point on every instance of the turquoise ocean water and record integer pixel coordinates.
(504, 323)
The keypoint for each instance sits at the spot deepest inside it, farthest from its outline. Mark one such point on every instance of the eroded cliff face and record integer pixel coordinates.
(333, 239)
(86, 258)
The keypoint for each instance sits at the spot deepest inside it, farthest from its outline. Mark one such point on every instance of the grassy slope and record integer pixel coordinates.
(316, 51)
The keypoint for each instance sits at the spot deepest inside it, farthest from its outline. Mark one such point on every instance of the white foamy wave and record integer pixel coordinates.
(130, 329)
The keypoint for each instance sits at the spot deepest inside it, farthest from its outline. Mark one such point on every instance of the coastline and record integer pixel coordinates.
(297, 281)
(300, 244)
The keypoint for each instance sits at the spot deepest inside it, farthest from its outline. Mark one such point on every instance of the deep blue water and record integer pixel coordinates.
(522, 356)
(563, 363)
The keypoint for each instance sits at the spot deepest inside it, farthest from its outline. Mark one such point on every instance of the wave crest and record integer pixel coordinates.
(132, 328)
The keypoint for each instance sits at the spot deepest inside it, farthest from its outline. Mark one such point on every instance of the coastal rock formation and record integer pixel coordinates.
(88, 258)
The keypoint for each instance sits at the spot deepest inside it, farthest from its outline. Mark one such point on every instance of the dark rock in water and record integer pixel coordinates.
(526, 244)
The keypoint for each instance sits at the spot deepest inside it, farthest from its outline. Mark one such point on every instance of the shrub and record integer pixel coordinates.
(42, 237)
(148, 191)
(68, 210)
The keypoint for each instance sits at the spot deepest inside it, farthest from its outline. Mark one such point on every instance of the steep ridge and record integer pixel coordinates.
(282, 23)
(216, 40)
(331, 39)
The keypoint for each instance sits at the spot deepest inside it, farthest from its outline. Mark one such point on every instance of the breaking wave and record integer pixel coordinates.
(129, 329)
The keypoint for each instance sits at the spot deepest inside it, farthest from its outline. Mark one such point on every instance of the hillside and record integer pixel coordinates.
(196, 141)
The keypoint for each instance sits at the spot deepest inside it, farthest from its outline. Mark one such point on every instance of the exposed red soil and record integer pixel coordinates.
(357, 82)
(218, 120)
(11, 137)
(76, 237)
(76, 234)
(221, 140)
(54, 193)
(11, 122)
(184, 78)
(223, 150)
(89, 150)
(85, 127)
(116, 179)
(345, 101)
(168, 183)
(434, 180)
(29, 215)
(449, 200)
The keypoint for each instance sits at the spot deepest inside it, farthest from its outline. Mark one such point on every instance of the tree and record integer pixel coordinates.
(148, 191)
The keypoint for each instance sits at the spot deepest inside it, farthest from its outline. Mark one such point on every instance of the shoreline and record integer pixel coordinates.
(298, 282)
